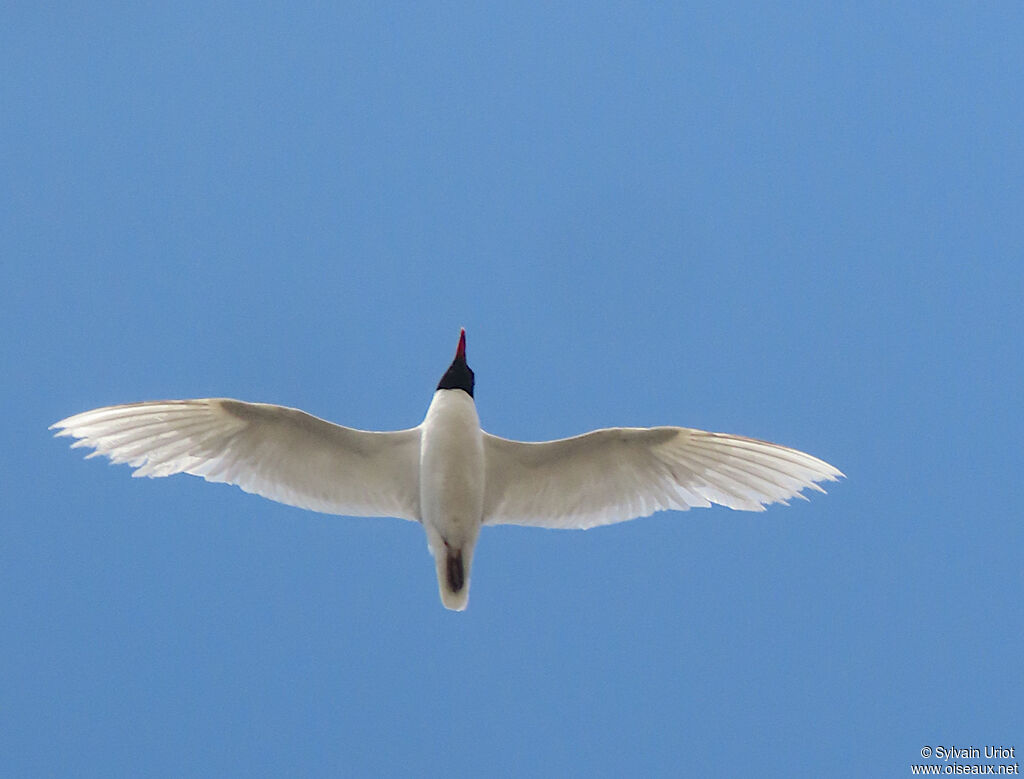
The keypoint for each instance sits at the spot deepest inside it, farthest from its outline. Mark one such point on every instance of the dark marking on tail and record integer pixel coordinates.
(456, 574)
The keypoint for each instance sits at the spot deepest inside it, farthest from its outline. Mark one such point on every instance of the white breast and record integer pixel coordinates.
(451, 470)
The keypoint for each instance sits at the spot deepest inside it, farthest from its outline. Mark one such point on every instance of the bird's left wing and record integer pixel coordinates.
(280, 453)
(617, 474)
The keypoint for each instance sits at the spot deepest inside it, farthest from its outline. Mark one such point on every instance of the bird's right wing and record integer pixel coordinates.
(280, 453)
(617, 474)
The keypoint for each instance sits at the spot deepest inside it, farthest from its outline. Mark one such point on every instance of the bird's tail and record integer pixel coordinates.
(453, 577)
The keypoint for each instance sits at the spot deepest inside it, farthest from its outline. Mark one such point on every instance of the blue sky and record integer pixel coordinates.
(797, 222)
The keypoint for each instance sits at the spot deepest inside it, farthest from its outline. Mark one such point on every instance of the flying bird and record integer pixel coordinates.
(447, 473)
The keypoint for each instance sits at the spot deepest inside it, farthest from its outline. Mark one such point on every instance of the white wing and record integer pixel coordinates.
(622, 473)
(280, 453)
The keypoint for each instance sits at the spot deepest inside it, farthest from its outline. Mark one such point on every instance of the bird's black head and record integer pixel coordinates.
(458, 375)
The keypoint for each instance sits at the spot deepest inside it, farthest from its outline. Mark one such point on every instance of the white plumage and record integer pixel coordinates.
(447, 473)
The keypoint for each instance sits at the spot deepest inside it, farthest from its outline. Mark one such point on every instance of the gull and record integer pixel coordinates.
(447, 473)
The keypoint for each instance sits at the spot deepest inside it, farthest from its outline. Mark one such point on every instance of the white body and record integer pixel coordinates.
(452, 485)
(447, 473)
